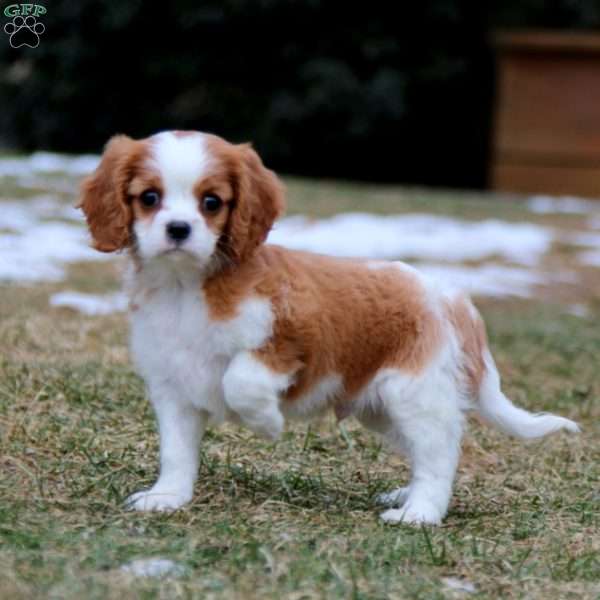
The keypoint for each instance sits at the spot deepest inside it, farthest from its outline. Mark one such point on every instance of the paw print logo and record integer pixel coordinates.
(24, 31)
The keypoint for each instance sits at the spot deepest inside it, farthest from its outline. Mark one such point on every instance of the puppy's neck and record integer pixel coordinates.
(168, 273)
(222, 285)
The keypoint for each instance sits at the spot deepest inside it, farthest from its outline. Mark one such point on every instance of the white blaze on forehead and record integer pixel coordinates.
(180, 159)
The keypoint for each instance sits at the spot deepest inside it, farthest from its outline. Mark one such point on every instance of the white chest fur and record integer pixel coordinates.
(176, 344)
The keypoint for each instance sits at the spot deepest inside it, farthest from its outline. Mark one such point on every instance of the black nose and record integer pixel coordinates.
(178, 230)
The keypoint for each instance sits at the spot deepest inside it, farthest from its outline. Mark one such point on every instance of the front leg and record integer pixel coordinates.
(181, 427)
(252, 391)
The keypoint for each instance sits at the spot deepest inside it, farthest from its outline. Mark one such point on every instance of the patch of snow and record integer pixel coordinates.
(582, 238)
(41, 250)
(590, 258)
(153, 567)
(459, 585)
(48, 162)
(43, 235)
(90, 304)
(17, 216)
(486, 280)
(561, 205)
(586, 239)
(578, 310)
(37, 243)
(22, 215)
(426, 237)
(48, 206)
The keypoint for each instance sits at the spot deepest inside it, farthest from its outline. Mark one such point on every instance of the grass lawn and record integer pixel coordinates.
(295, 519)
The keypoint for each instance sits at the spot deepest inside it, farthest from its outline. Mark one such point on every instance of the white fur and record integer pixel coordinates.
(200, 371)
(426, 424)
(498, 410)
(252, 391)
(181, 161)
(421, 417)
(182, 353)
(317, 400)
(183, 356)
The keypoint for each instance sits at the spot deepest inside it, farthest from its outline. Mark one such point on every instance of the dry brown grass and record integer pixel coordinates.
(295, 519)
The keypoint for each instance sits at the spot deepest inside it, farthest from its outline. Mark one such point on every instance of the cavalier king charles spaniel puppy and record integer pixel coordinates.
(227, 327)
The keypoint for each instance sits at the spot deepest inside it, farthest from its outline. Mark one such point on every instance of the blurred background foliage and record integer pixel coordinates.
(379, 90)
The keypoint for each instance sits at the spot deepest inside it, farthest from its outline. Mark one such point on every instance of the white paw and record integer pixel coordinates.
(158, 499)
(413, 514)
(270, 428)
(396, 497)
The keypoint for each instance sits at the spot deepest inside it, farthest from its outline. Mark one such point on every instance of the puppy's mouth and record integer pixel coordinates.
(177, 251)
(182, 255)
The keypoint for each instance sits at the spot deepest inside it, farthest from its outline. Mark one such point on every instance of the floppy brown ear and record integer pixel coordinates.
(104, 196)
(259, 201)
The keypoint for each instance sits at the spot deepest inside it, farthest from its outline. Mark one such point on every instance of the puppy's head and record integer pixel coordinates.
(181, 193)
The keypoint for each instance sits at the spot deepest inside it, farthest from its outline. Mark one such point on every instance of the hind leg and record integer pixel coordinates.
(374, 416)
(426, 423)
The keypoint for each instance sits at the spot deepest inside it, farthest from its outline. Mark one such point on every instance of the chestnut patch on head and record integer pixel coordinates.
(256, 200)
(105, 194)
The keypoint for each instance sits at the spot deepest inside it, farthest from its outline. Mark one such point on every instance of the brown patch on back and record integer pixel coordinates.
(470, 329)
(332, 317)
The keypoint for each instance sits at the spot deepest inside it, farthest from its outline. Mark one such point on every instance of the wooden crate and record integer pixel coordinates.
(547, 128)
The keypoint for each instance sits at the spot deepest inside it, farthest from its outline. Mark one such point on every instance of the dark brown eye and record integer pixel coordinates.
(211, 203)
(150, 198)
